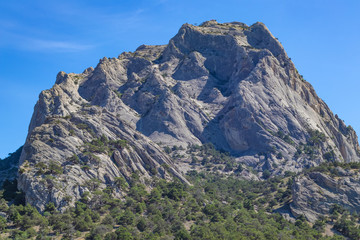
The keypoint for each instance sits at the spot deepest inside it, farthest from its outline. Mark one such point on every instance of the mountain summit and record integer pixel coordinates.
(229, 84)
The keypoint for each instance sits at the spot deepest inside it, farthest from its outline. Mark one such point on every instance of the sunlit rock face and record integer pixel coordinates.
(228, 84)
(316, 193)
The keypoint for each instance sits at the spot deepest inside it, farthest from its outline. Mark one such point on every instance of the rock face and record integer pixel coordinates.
(74, 147)
(316, 193)
(229, 84)
(9, 167)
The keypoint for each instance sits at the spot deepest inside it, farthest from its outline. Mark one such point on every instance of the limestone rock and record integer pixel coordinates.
(9, 167)
(60, 160)
(229, 84)
(316, 193)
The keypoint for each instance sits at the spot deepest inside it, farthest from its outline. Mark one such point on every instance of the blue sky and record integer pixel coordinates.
(40, 38)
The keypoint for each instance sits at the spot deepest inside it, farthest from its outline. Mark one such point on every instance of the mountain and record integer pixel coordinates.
(228, 86)
(9, 167)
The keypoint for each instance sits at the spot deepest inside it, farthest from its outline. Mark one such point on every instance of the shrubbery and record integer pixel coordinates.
(213, 208)
(216, 206)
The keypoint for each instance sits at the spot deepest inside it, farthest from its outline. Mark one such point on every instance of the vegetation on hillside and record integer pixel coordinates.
(216, 206)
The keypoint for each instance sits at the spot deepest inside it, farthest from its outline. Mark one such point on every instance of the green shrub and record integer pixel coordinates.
(266, 174)
(316, 137)
(123, 233)
(55, 168)
(2, 223)
(329, 156)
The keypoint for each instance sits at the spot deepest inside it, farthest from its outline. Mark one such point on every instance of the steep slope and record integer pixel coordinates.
(228, 84)
(74, 147)
(319, 193)
(9, 167)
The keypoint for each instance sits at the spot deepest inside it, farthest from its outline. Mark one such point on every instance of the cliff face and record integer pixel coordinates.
(228, 84)
(316, 193)
(75, 147)
(9, 167)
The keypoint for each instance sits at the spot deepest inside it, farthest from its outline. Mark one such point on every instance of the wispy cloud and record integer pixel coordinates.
(108, 19)
(41, 45)
(72, 25)
(10, 37)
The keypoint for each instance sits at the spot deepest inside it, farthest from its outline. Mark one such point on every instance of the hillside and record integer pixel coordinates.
(219, 102)
(227, 84)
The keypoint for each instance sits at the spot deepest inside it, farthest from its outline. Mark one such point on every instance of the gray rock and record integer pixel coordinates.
(62, 126)
(9, 167)
(316, 193)
(234, 86)
(229, 84)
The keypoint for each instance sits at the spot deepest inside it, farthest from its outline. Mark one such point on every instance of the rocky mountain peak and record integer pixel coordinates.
(227, 84)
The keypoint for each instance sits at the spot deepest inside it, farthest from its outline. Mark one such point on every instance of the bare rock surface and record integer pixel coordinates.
(75, 147)
(228, 84)
(316, 193)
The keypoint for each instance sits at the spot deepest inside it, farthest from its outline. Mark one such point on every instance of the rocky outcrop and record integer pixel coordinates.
(229, 84)
(9, 167)
(316, 193)
(75, 147)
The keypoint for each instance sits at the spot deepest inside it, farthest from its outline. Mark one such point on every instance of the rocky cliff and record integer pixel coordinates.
(228, 84)
(316, 193)
(9, 167)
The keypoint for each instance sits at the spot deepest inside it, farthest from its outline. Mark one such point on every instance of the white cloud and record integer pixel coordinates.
(74, 27)
(41, 44)
(24, 42)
